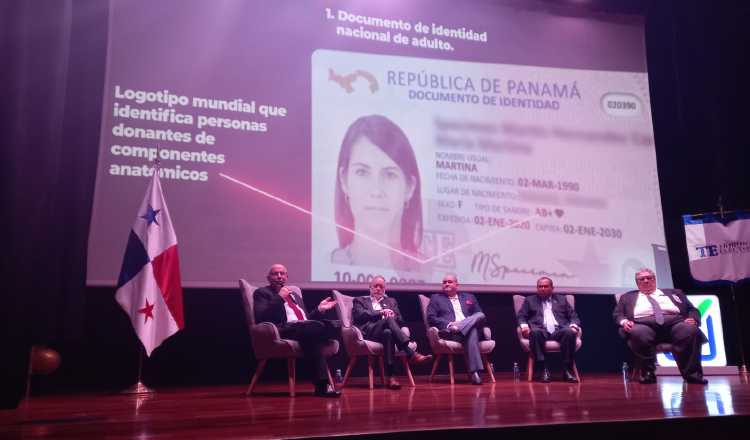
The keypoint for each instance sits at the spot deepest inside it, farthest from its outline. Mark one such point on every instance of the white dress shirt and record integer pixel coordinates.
(643, 306)
(457, 308)
(547, 307)
(290, 315)
(376, 303)
(550, 323)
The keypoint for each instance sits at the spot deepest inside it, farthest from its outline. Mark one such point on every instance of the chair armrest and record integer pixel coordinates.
(266, 341)
(521, 337)
(352, 333)
(265, 331)
(433, 337)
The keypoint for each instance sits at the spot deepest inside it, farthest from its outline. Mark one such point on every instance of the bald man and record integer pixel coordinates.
(278, 304)
(458, 317)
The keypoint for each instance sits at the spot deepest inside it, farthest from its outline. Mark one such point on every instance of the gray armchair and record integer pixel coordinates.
(549, 346)
(356, 345)
(268, 344)
(444, 347)
(662, 347)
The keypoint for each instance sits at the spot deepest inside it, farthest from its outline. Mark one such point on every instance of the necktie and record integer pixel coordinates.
(295, 309)
(658, 313)
(549, 318)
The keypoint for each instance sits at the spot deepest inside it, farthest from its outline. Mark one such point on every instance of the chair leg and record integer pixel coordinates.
(352, 361)
(382, 369)
(530, 368)
(435, 365)
(635, 373)
(330, 378)
(450, 369)
(488, 367)
(575, 370)
(291, 366)
(407, 369)
(466, 365)
(369, 371)
(256, 376)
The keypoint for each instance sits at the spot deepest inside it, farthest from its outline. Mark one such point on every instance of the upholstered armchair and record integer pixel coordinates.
(268, 344)
(444, 347)
(357, 346)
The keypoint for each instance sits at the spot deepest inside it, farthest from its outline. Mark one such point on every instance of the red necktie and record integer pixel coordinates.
(295, 309)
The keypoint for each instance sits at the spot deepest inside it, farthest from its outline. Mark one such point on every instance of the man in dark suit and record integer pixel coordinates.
(279, 305)
(458, 317)
(548, 316)
(378, 318)
(648, 316)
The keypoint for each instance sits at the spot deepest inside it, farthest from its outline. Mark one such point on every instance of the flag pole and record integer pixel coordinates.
(737, 318)
(139, 387)
(743, 364)
(156, 287)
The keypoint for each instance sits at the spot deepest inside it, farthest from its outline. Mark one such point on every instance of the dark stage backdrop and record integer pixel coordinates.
(53, 58)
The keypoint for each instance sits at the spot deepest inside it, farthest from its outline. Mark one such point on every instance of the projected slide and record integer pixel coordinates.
(348, 140)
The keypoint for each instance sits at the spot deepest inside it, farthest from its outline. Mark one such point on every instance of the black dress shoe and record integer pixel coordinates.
(696, 380)
(475, 379)
(544, 377)
(393, 384)
(418, 358)
(569, 377)
(647, 377)
(326, 390)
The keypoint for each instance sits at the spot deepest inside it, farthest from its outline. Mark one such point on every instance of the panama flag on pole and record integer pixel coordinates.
(149, 287)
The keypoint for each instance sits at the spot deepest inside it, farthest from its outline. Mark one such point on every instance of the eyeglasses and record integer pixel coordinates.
(646, 278)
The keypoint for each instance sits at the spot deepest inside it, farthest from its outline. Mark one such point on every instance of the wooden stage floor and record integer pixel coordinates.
(503, 407)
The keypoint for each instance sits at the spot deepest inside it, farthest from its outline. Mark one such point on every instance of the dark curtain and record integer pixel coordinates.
(698, 70)
(53, 57)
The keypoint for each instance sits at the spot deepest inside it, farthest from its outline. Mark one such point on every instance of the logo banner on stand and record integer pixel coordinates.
(718, 246)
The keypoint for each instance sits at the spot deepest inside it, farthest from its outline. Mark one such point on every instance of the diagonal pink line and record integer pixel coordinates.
(478, 239)
(365, 236)
(318, 217)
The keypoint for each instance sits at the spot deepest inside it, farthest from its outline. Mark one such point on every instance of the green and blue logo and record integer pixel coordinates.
(712, 352)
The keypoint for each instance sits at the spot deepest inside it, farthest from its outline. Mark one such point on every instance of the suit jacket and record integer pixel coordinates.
(269, 307)
(626, 306)
(440, 311)
(532, 312)
(365, 317)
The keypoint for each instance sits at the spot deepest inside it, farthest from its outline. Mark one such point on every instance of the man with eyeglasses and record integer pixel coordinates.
(378, 318)
(649, 316)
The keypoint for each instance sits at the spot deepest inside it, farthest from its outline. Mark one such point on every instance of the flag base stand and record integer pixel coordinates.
(138, 388)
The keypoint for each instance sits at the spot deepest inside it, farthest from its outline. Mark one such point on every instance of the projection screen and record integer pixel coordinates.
(499, 141)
